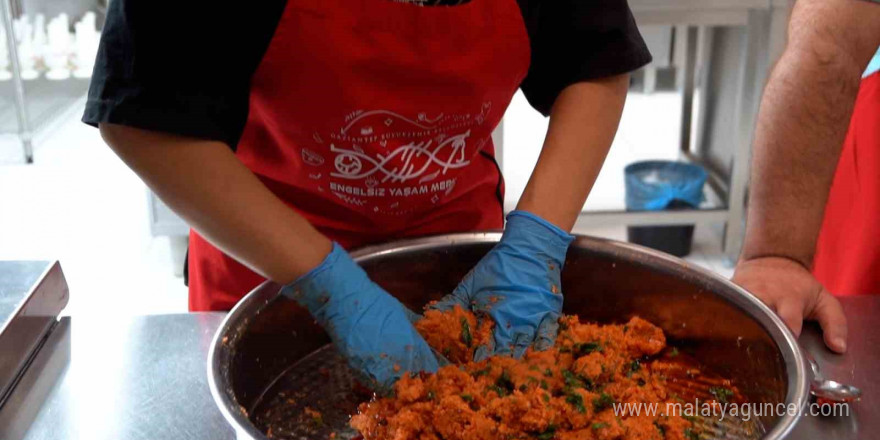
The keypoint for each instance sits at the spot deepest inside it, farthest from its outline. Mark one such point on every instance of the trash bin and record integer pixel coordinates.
(664, 185)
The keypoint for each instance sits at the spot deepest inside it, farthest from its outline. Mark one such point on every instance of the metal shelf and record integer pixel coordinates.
(651, 218)
(29, 106)
(712, 210)
(46, 100)
(764, 23)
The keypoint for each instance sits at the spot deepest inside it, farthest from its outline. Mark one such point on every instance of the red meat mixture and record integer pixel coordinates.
(564, 393)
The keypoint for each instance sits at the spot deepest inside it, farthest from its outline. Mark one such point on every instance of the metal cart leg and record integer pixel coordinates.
(24, 125)
(780, 16)
(688, 44)
(650, 72)
(752, 74)
(705, 40)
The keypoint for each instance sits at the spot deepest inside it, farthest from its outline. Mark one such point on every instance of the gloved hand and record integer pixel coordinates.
(371, 328)
(518, 285)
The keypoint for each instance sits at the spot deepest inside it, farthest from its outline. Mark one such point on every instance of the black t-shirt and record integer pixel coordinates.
(185, 67)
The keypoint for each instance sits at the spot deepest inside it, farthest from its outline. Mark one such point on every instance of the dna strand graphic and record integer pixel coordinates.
(349, 164)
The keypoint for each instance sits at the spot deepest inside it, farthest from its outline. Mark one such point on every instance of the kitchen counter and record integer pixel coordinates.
(130, 378)
(144, 378)
(858, 367)
(16, 279)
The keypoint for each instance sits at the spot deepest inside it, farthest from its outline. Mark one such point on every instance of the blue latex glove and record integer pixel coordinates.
(371, 328)
(518, 284)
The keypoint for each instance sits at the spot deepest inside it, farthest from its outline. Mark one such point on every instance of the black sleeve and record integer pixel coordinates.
(180, 67)
(578, 40)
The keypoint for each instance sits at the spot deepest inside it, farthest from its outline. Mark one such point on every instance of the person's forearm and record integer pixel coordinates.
(218, 196)
(583, 123)
(801, 127)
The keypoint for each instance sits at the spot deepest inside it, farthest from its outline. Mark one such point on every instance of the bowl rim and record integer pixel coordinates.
(792, 353)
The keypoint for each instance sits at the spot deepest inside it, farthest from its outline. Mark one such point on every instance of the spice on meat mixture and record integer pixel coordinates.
(565, 393)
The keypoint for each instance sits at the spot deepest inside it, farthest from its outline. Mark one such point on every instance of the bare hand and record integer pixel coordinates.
(795, 295)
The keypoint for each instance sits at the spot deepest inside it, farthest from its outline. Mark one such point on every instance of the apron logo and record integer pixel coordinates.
(423, 121)
(347, 163)
(418, 156)
(350, 200)
(312, 158)
(400, 165)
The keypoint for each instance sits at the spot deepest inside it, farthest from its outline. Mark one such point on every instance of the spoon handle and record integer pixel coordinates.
(814, 366)
(827, 389)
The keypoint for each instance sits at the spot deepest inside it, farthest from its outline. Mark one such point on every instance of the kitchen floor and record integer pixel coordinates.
(78, 203)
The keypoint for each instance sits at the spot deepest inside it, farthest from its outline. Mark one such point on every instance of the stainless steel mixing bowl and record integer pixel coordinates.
(726, 328)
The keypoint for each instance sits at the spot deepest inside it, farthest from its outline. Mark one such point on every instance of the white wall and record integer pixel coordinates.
(649, 129)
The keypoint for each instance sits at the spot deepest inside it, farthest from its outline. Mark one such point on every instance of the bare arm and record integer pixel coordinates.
(205, 183)
(583, 123)
(801, 127)
(214, 192)
(803, 121)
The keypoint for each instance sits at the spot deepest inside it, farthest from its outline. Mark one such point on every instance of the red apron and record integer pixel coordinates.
(848, 252)
(373, 119)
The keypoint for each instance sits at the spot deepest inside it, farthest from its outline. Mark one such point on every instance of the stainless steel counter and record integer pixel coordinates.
(132, 378)
(859, 367)
(16, 279)
(144, 378)
(32, 294)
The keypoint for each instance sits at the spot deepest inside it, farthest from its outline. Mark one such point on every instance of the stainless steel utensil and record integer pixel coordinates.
(828, 389)
(266, 340)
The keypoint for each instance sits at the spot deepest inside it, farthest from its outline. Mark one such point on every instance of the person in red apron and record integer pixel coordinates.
(847, 258)
(814, 208)
(286, 132)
